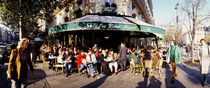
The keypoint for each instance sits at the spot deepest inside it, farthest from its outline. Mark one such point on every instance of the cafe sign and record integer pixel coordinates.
(75, 26)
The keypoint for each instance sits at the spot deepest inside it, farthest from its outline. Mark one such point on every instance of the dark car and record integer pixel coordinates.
(3, 54)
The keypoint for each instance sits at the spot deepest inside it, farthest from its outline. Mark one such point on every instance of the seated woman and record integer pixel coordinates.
(67, 62)
(81, 61)
(147, 62)
(135, 58)
(113, 63)
(104, 64)
(155, 58)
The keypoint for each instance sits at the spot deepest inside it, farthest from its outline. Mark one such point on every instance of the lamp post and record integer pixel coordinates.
(177, 21)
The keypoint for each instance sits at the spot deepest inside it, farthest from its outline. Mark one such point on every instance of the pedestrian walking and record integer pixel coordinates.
(18, 65)
(203, 56)
(188, 49)
(122, 56)
(174, 57)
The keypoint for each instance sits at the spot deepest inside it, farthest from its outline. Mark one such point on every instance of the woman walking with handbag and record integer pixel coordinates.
(18, 65)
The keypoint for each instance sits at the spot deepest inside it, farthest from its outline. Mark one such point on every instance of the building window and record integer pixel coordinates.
(109, 1)
(55, 21)
(78, 13)
(66, 19)
(133, 6)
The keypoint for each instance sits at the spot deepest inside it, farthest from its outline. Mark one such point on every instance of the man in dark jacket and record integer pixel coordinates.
(122, 56)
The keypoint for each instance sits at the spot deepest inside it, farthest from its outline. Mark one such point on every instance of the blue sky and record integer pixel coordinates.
(164, 11)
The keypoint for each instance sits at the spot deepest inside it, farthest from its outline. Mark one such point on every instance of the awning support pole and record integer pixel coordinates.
(156, 40)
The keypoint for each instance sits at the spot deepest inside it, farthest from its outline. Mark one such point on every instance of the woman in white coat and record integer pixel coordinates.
(203, 56)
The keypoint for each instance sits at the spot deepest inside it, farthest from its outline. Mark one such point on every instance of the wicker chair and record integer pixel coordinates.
(59, 64)
(135, 67)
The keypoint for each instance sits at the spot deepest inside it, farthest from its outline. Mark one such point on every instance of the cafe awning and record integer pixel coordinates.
(145, 27)
(96, 22)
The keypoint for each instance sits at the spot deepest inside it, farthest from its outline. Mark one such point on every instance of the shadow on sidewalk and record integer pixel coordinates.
(176, 84)
(192, 72)
(96, 83)
(39, 74)
(6, 83)
(154, 83)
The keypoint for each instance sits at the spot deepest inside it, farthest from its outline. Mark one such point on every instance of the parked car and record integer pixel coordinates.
(3, 55)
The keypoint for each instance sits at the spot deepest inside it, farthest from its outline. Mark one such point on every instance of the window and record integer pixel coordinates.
(55, 21)
(66, 19)
(133, 6)
(109, 1)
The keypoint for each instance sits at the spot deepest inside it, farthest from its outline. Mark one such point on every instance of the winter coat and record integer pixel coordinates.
(203, 56)
(17, 63)
(177, 53)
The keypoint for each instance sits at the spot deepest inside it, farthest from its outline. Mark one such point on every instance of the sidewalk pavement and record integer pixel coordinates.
(188, 77)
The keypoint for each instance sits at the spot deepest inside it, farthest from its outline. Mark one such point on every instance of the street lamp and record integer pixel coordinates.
(177, 19)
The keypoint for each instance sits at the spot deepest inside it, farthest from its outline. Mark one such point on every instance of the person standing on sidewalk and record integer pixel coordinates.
(188, 50)
(18, 65)
(123, 56)
(203, 56)
(174, 57)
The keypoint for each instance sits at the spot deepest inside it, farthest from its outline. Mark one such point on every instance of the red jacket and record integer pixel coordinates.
(79, 59)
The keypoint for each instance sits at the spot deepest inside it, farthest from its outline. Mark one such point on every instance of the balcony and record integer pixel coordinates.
(110, 9)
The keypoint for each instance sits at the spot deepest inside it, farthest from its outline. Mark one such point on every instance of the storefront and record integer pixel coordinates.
(105, 31)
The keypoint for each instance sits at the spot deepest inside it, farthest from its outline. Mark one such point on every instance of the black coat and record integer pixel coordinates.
(123, 53)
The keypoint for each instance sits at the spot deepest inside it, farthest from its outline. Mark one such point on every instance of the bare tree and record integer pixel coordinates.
(193, 10)
(168, 37)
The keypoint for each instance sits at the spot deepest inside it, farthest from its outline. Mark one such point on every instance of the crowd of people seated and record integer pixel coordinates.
(95, 60)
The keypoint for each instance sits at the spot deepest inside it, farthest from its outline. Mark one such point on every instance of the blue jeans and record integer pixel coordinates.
(67, 66)
(82, 67)
(92, 67)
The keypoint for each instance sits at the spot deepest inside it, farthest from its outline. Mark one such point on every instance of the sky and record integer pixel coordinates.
(164, 11)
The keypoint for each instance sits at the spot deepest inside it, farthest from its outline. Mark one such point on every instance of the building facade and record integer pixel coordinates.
(72, 9)
(139, 10)
(200, 33)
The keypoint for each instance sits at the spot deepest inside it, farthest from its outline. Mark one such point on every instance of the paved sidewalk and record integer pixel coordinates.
(188, 77)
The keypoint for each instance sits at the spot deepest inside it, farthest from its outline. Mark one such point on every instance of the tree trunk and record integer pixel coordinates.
(192, 50)
(20, 27)
(20, 20)
(193, 37)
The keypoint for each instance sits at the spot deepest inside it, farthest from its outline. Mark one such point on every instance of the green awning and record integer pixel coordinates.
(93, 26)
(96, 22)
(145, 27)
(154, 30)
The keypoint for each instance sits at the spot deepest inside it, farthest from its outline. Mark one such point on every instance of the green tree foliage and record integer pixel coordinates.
(23, 14)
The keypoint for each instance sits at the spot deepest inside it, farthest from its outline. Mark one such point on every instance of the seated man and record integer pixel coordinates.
(91, 63)
(135, 58)
(113, 63)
